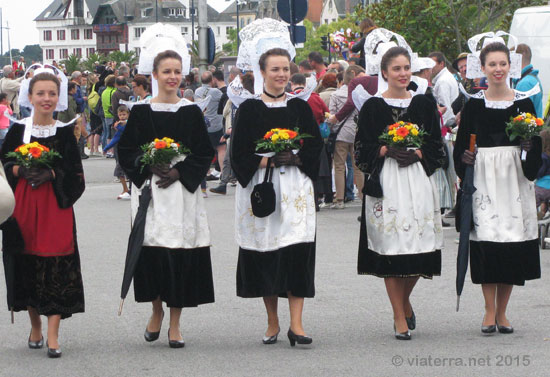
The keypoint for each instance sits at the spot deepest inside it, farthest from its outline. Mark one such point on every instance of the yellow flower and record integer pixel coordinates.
(396, 138)
(284, 135)
(274, 138)
(391, 132)
(408, 127)
(24, 150)
(414, 131)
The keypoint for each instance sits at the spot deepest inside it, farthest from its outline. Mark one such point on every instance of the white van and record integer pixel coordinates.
(532, 26)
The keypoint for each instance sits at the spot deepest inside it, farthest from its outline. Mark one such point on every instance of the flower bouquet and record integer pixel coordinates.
(403, 135)
(34, 155)
(279, 140)
(524, 126)
(161, 152)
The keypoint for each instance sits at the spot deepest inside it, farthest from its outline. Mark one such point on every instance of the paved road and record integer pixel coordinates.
(350, 318)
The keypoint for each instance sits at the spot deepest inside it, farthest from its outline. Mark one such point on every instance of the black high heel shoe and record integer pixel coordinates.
(175, 343)
(504, 329)
(53, 353)
(300, 339)
(151, 336)
(411, 321)
(401, 335)
(35, 345)
(271, 339)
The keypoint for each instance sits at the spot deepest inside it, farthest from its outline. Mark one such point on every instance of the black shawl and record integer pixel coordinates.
(254, 119)
(186, 126)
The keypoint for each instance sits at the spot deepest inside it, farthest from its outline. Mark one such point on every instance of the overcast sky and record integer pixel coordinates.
(21, 13)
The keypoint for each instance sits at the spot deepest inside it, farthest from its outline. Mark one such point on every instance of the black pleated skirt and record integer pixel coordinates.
(504, 263)
(180, 277)
(369, 262)
(51, 285)
(274, 273)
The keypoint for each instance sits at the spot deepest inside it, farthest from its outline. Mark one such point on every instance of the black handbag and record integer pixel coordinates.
(263, 197)
(331, 140)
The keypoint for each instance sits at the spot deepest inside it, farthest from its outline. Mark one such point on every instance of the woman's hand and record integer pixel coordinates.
(404, 157)
(418, 152)
(383, 151)
(159, 170)
(170, 177)
(286, 158)
(468, 158)
(526, 145)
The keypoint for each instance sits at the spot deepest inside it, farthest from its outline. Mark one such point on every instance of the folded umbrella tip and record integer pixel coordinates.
(120, 307)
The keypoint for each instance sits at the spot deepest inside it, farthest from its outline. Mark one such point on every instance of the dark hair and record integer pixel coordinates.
(438, 56)
(3, 96)
(168, 54)
(316, 57)
(142, 81)
(545, 136)
(273, 52)
(298, 79)
(391, 54)
(293, 68)
(367, 25)
(248, 81)
(206, 77)
(340, 76)
(355, 61)
(493, 47)
(71, 86)
(122, 108)
(218, 75)
(121, 81)
(110, 80)
(44, 76)
(329, 80)
(525, 52)
(305, 65)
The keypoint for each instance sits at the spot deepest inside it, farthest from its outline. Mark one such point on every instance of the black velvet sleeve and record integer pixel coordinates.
(194, 168)
(244, 160)
(371, 123)
(311, 149)
(13, 139)
(533, 161)
(462, 142)
(136, 133)
(423, 112)
(68, 184)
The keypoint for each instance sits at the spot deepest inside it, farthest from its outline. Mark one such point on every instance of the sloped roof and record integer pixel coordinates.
(56, 10)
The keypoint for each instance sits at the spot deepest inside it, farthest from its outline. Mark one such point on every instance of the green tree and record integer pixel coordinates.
(72, 63)
(32, 53)
(230, 48)
(89, 63)
(119, 57)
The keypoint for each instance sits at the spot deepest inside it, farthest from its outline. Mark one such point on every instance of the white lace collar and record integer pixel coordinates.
(40, 131)
(490, 104)
(169, 107)
(277, 104)
(397, 102)
(360, 96)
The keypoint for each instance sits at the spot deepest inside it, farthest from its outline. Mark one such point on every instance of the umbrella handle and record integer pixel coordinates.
(472, 142)
(120, 307)
(457, 302)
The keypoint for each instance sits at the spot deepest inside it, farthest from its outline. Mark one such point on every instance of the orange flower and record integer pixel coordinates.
(268, 135)
(45, 149)
(35, 152)
(539, 122)
(160, 144)
(393, 126)
(403, 132)
(292, 134)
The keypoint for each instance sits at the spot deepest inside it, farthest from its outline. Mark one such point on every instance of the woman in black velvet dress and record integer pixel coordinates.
(41, 234)
(277, 252)
(503, 244)
(401, 235)
(174, 265)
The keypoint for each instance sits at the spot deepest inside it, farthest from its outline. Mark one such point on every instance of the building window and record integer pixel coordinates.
(75, 34)
(219, 30)
(61, 35)
(227, 28)
(88, 15)
(138, 50)
(63, 53)
(138, 31)
(49, 54)
(47, 35)
(184, 30)
(90, 51)
(88, 34)
(326, 20)
(184, 13)
(77, 52)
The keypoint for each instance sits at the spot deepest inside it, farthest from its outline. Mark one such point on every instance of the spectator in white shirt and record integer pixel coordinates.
(445, 87)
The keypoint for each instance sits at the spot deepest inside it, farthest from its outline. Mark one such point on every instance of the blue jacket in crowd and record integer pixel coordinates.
(528, 82)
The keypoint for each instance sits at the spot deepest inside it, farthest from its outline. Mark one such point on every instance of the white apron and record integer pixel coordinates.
(407, 219)
(176, 218)
(292, 222)
(504, 206)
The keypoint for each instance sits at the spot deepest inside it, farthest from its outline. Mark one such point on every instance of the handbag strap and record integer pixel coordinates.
(343, 122)
(268, 171)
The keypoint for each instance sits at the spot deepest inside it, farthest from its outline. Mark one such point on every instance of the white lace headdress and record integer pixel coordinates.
(158, 38)
(63, 101)
(473, 63)
(258, 37)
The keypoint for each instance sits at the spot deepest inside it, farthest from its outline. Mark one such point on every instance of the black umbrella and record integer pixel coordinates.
(11, 247)
(468, 190)
(9, 272)
(135, 243)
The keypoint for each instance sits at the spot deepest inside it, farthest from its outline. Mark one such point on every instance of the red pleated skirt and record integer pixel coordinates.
(47, 229)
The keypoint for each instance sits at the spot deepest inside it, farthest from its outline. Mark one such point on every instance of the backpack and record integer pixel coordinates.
(93, 99)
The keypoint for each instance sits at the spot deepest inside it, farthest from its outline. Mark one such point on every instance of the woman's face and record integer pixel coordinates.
(276, 74)
(138, 90)
(44, 97)
(168, 75)
(496, 67)
(398, 73)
